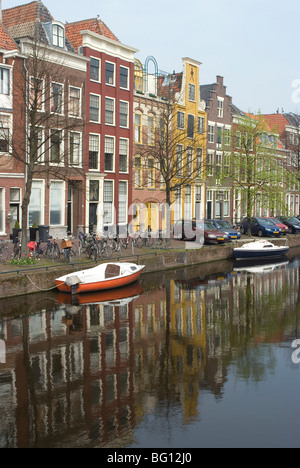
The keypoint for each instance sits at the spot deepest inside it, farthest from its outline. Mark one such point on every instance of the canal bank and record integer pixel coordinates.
(19, 281)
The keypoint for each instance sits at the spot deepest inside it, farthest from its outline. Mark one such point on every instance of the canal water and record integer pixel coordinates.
(196, 358)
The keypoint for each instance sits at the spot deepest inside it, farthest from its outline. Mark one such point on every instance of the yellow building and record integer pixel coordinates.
(189, 126)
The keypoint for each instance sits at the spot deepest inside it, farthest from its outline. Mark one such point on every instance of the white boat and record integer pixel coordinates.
(102, 277)
(261, 269)
(259, 249)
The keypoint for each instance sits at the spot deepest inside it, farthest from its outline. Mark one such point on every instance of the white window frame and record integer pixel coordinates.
(127, 115)
(42, 149)
(114, 75)
(180, 117)
(60, 40)
(40, 184)
(8, 70)
(79, 164)
(211, 132)
(220, 107)
(128, 77)
(42, 109)
(113, 123)
(62, 146)
(99, 77)
(122, 222)
(105, 222)
(114, 153)
(62, 201)
(7, 121)
(192, 92)
(127, 164)
(61, 110)
(98, 159)
(80, 102)
(99, 109)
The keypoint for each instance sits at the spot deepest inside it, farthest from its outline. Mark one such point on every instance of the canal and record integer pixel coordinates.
(196, 358)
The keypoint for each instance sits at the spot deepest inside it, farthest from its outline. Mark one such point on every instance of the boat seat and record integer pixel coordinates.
(112, 270)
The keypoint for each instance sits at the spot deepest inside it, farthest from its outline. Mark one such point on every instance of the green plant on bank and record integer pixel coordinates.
(29, 260)
(34, 226)
(17, 225)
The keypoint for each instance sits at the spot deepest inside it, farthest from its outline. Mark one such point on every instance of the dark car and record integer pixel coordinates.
(213, 235)
(283, 227)
(186, 229)
(291, 222)
(191, 230)
(261, 227)
(226, 227)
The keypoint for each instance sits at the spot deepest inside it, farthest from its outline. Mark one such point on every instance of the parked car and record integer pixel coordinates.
(292, 223)
(283, 227)
(226, 227)
(213, 235)
(185, 229)
(260, 227)
(190, 230)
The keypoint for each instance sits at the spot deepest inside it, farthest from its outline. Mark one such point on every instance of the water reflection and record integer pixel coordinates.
(86, 372)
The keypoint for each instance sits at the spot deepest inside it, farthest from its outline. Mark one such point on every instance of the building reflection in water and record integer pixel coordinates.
(85, 372)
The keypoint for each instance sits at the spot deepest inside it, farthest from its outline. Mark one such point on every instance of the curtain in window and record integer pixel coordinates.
(108, 202)
(56, 203)
(122, 202)
(34, 210)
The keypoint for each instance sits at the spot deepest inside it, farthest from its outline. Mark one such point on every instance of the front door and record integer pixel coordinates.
(209, 210)
(92, 216)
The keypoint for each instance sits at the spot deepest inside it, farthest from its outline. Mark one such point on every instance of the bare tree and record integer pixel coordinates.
(44, 145)
(176, 150)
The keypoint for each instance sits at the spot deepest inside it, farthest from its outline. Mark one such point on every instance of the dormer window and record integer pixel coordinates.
(58, 35)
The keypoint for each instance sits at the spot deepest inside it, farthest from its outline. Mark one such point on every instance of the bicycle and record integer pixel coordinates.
(69, 249)
(161, 242)
(50, 250)
(105, 251)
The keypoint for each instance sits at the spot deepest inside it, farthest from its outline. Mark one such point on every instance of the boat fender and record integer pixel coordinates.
(72, 280)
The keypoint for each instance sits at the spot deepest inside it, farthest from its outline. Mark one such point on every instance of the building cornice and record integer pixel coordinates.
(109, 46)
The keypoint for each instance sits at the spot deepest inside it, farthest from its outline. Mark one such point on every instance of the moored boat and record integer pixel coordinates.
(102, 277)
(260, 249)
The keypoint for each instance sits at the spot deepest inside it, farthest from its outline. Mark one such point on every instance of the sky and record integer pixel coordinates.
(253, 44)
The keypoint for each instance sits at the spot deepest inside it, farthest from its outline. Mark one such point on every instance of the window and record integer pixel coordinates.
(75, 102)
(4, 81)
(238, 139)
(211, 133)
(56, 203)
(292, 138)
(219, 135)
(37, 144)
(109, 111)
(151, 173)
(124, 114)
(35, 205)
(227, 138)
(227, 165)
(201, 125)
(58, 36)
(94, 190)
(138, 172)
(109, 73)
(94, 152)
(94, 108)
(220, 108)
(199, 162)
(189, 162)
(123, 156)
(4, 138)
(95, 69)
(188, 202)
(55, 146)
(109, 154)
(210, 164)
(75, 153)
(151, 130)
(138, 128)
(191, 128)
(122, 203)
(108, 202)
(179, 160)
(124, 78)
(192, 92)
(180, 120)
(218, 165)
(57, 98)
(36, 94)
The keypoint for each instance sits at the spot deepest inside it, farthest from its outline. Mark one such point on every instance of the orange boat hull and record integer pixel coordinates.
(132, 290)
(112, 283)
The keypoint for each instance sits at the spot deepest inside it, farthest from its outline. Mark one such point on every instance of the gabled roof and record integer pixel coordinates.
(236, 111)
(6, 42)
(94, 25)
(29, 21)
(205, 92)
(293, 119)
(278, 121)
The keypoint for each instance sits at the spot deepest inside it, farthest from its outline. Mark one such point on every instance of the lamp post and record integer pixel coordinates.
(220, 198)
